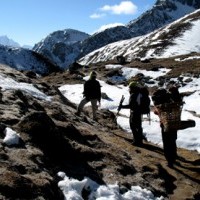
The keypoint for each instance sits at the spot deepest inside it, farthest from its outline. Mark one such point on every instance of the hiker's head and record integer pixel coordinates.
(93, 75)
(173, 89)
(133, 86)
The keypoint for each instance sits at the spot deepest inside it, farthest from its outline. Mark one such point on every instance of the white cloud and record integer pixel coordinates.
(125, 7)
(97, 16)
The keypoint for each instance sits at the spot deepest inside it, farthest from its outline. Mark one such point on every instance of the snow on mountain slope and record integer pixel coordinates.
(61, 47)
(178, 38)
(24, 59)
(161, 14)
(103, 38)
(187, 43)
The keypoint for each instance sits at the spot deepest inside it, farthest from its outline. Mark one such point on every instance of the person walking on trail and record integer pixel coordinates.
(91, 93)
(163, 101)
(135, 113)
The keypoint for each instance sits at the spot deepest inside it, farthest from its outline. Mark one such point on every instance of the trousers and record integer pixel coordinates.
(136, 126)
(169, 145)
(84, 101)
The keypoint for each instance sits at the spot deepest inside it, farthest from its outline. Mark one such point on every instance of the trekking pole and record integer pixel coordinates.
(149, 115)
(120, 104)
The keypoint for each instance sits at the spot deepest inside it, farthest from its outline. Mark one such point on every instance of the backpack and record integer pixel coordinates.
(161, 96)
(145, 100)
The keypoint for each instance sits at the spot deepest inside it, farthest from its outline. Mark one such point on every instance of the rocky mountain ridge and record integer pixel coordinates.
(58, 44)
(162, 13)
(168, 41)
(27, 60)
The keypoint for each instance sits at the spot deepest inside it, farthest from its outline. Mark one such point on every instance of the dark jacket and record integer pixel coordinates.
(92, 89)
(133, 104)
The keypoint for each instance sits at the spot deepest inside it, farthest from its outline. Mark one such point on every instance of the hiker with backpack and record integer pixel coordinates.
(136, 111)
(91, 93)
(168, 105)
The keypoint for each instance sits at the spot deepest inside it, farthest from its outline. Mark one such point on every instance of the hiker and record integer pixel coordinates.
(135, 113)
(168, 103)
(92, 93)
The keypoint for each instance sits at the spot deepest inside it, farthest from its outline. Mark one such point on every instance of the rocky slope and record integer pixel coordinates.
(53, 139)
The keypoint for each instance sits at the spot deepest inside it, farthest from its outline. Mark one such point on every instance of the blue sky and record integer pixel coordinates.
(29, 21)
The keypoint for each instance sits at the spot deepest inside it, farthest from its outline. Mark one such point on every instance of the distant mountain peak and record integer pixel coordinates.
(67, 36)
(4, 40)
(61, 47)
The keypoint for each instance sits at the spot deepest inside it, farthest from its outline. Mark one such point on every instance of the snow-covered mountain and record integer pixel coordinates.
(162, 13)
(24, 59)
(178, 38)
(61, 51)
(103, 38)
(27, 46)
(61, 47)
(4, 40)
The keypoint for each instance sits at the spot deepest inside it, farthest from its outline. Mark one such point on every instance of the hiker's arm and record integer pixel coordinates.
(156, 111)
(128, 106)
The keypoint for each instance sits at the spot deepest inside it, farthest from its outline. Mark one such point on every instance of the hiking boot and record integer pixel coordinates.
(144, 138)
(136, 143)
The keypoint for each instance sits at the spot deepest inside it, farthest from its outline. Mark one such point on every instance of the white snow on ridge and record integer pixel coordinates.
(181, 11)
(10, 84)
(134, 47)
(187, 43)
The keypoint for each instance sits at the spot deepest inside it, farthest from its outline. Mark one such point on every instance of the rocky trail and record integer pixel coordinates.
(54, 139)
